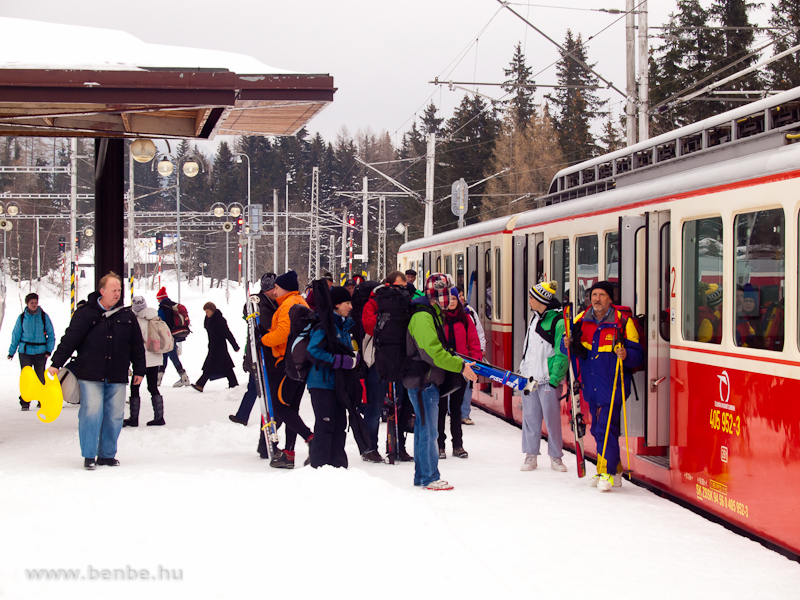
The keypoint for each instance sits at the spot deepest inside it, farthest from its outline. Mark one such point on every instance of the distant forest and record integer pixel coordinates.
(528, 141)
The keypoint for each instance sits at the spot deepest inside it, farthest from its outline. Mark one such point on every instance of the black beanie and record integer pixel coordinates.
(288, 281)
(606, 286)
(339, 295)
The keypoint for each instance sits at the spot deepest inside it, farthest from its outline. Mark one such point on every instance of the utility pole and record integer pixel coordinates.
(365, 225)
(344, 239)
(73, 221)
(644, 84)
(314, 261)
(130, 222)
(431, 155)
(630, 71)
(274, 231)
(381, 238)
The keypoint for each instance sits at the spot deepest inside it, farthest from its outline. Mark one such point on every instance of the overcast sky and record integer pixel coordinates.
(381, 53)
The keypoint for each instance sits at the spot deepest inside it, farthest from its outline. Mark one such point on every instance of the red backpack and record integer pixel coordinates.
(180, 319)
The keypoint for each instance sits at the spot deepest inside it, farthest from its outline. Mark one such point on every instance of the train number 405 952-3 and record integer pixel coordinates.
(725, 421)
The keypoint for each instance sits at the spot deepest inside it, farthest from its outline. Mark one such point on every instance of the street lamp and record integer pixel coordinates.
(141, 151)
(190, 169)
(286, 247)
(249, 271)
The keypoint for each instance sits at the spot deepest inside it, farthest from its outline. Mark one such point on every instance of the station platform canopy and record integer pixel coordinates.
(72, 81)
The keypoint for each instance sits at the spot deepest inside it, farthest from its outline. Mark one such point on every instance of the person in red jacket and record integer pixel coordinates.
(462, 337)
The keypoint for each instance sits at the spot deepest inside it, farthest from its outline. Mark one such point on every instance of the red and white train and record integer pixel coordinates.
(714, 419)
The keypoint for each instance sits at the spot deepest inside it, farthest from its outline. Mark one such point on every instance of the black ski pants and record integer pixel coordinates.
(330, 429)
(454, 402)
(37, 361)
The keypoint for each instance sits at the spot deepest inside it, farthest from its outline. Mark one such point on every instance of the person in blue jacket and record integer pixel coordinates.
(600, 336)
(34, 337)
(330, 416)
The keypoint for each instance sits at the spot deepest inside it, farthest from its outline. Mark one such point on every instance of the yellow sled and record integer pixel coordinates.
(49, 394)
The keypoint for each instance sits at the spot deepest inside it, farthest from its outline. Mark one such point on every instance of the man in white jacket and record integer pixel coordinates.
(543, 360)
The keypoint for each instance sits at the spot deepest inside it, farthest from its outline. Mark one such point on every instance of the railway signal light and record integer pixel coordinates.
(351, 220)
(62, 245)
(159, 241)
(239, 224)
(78, 242)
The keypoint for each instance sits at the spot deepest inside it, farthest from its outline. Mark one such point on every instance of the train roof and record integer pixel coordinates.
(757, 146)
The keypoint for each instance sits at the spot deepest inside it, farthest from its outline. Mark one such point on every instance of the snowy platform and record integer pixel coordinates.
(194, 509)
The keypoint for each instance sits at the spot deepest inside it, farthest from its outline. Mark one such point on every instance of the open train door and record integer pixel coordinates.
(644, 271)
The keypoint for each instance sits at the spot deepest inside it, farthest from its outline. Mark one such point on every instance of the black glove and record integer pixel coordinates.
(575, 345)
(235, 347)
(10, 356)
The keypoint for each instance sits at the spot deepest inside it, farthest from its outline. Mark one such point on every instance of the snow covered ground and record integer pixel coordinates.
(194, 506)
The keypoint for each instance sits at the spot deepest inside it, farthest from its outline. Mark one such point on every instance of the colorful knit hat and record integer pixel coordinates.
(544, 292)
(162, 293)
(437, 289)
(714, 295)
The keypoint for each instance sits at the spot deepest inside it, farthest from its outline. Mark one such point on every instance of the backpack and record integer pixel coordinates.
(394, 313)
(302, 321)
(361, 295)
(626, 313)
(159, 338)
(180, 319)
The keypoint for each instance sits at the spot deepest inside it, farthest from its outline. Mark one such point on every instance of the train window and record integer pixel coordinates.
(438, 264)
(559, 266)
(448, 265)
(498, 283)
(664, 293)
(702, 280)
(487, 262)
(539, 262)
(460, 270)
(612, 262)
(760, 279)
(588, 267)
(412, 267)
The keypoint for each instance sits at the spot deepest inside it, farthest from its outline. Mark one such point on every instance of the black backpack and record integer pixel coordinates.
(360, 298)
(302, 321)
(394, 313)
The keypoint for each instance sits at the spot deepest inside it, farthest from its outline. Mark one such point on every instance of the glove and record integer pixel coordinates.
(575, 345)
(236, 348)
(10, 356)
(342, 361)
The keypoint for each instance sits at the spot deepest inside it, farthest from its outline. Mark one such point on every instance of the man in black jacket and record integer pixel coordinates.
(107, 339)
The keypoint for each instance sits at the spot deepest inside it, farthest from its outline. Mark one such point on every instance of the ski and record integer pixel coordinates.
(573, 389)
(392, 430)
(502, 376)
(259, 368)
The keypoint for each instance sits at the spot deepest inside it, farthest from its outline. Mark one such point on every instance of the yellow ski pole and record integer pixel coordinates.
(624, 414)
(602, 457)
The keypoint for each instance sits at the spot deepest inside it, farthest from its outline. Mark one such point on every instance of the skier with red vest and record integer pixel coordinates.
(602, 336)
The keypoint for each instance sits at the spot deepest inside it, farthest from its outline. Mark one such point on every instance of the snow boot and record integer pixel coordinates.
(373, 456)
(282, 459)
(158, 411)
(405, 456)
(530, 463)
(460, 453)
(605, 483)
(184, 380)
(133, 421)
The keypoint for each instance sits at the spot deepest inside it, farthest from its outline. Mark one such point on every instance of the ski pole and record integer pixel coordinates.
(624, 413)
(602, 457)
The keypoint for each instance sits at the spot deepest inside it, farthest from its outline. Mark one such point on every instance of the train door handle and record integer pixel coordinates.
(654, 383)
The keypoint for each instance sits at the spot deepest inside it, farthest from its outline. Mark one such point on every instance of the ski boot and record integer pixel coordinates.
(282, 459)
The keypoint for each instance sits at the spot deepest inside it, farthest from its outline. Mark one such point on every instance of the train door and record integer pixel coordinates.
(644, 274)
(485, 293)
(519, 296)
(471, 284)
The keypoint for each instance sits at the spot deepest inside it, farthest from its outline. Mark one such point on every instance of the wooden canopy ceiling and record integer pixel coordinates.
(159, 103)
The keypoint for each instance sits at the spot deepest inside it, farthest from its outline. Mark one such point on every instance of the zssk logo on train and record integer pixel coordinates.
(724, 387)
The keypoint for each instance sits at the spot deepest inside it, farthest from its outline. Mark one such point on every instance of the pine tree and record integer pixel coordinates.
(735, 44)
(532, 156)
(521, 102)
(613, 137)
(575, 106)
(430, 122)
(784, 74)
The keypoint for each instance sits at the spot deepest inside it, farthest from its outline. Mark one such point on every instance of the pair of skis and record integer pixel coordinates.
(393, 430)
(259, 368)
(502, 376)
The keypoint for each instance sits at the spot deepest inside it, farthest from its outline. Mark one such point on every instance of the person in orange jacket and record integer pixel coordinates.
(286, 393)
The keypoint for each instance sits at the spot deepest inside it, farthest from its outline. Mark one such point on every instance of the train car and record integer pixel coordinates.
(714, 418)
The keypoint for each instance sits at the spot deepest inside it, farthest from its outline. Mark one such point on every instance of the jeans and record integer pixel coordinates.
(426, 450)
(542, 403)
(467, 404)
(100, 417)
(248, 400)
(173, 356)
(376, 392)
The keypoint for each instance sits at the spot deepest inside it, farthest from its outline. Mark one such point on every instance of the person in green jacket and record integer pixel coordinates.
(429, 363)
(543, 360)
